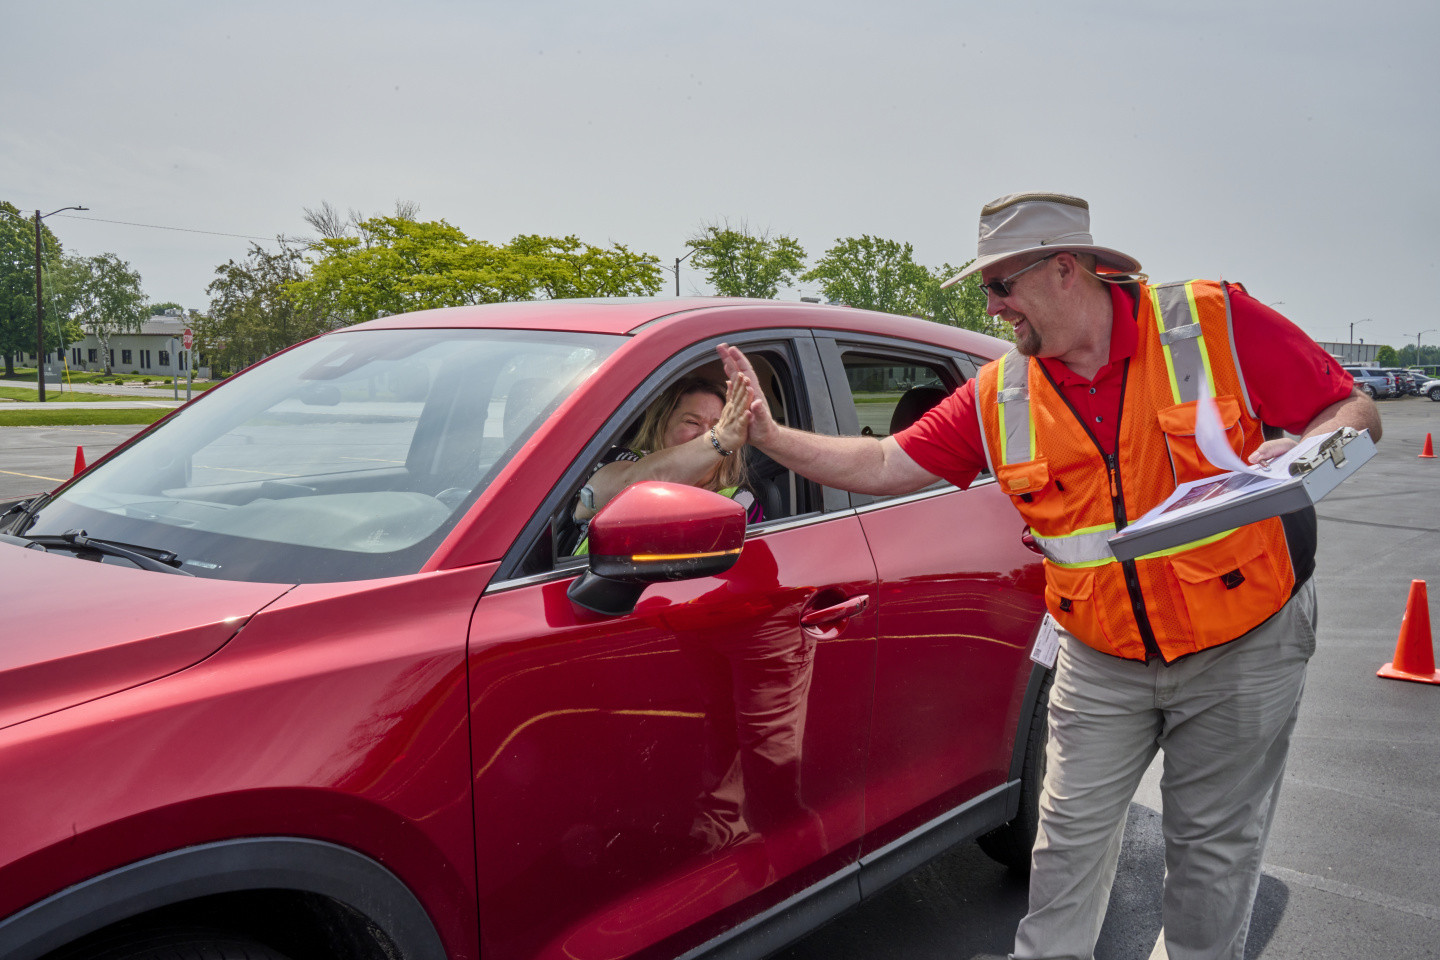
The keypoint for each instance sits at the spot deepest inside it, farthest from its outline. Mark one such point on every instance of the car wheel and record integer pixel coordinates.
(1369, 390)
(1011, 844)
(1435, 393)
(173, 944)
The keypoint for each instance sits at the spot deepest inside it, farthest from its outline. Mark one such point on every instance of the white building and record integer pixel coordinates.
(147, 350)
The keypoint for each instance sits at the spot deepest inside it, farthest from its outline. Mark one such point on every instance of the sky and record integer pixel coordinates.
(1291, 145)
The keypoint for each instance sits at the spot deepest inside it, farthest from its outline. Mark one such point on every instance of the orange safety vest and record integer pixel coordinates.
(1172, 602)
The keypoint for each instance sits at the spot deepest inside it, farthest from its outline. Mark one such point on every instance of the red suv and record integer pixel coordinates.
(309, 669)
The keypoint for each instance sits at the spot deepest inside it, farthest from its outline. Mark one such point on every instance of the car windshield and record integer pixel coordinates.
(346, 458)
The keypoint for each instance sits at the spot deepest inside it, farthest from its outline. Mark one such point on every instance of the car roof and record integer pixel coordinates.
(717, 315)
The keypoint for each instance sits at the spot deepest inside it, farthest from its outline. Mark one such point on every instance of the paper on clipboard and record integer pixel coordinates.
(1202, 508)
(1210, 434)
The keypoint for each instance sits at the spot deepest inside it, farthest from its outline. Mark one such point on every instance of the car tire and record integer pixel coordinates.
(1435, 393)
(1011, 844)
(1369, 390)
(183, 943)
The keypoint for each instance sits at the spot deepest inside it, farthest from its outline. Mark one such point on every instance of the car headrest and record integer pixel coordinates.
(913, 405)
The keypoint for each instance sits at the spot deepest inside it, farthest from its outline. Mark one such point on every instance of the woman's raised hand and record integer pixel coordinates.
(759, 424)
(733, 428)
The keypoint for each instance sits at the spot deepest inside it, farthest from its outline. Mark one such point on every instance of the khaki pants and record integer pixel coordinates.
(1223, 718)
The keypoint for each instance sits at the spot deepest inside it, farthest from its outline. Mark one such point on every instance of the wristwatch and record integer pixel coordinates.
(587, 497)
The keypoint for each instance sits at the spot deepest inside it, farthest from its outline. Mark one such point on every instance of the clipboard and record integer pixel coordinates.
(1205, 507)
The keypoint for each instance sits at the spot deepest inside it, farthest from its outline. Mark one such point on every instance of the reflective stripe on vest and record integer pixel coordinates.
(1083, 548)
(1091, 548)
(1017, 428)
(1181, 338)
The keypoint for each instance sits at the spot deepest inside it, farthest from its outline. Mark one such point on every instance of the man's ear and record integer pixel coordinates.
(1071, 270)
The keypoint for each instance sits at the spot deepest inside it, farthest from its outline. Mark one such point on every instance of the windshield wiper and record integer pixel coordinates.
(20, 510)
(160, 561)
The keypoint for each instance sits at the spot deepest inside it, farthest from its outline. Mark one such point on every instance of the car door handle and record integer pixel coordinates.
(841, 611)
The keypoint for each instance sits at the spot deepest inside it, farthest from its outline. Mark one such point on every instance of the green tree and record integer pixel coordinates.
(1428, 356)
(17, 281)
(396, 265)
(157, 309)
(253, 311)
(565, 267)
(739, 263)
(66, 287)
(962, 305)
(872, 274)
(102, 294)
(1387, 357)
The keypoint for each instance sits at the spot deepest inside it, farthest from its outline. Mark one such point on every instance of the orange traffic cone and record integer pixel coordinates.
(1429, 450)
(1414, 654)
(79, 459)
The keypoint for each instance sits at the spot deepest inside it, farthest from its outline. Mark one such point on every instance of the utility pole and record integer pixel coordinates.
(1351, 357)
(39, 319)
(40, 307)
(678, 261)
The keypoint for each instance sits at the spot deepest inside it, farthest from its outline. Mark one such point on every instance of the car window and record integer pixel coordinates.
(885, 391)
(346, 458)
(781, 494)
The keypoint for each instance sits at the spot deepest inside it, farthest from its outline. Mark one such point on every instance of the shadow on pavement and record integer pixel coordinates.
(963, 906)
(1133, 921)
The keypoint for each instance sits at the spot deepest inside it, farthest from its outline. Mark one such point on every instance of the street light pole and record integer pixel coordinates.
(678, 261)
(1352, 358)
(1417, 343)
(40, 306)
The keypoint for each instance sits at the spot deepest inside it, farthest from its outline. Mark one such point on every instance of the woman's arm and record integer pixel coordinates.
(691, 462)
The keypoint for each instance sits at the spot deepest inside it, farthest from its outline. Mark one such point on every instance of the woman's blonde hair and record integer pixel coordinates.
(651, 434)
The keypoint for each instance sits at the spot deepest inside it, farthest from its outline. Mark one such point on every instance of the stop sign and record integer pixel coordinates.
(189, 338)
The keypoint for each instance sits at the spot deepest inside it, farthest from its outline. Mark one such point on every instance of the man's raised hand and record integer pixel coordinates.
(761, 425)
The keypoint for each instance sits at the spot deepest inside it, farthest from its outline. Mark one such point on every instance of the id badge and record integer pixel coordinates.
(1047, 643)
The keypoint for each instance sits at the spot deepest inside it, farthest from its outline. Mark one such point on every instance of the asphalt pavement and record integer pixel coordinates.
(1353, 865)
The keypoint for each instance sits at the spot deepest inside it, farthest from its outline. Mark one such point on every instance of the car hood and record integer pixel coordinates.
(72, 630)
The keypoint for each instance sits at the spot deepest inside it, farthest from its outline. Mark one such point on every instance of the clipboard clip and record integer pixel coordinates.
(1332, 448)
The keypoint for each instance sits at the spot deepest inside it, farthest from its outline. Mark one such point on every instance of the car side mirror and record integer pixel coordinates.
(651, 532)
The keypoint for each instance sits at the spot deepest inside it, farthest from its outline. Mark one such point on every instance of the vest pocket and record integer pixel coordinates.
(1070, 598)
(1178, 425)
(1228, 586)
(1032, 490)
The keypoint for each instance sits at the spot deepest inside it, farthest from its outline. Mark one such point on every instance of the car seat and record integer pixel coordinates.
(914, 404)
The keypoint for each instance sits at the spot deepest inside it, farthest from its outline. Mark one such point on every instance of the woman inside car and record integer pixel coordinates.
(693, 433)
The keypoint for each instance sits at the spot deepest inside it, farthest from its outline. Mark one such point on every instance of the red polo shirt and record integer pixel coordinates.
(1289, 379)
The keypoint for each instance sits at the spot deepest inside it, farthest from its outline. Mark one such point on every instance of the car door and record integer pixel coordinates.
(959, 600)
(660, 776)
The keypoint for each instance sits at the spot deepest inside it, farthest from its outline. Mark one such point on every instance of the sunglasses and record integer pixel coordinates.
(1002, 288)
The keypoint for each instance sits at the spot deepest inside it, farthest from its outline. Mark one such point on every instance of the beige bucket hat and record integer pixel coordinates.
(1029, 222)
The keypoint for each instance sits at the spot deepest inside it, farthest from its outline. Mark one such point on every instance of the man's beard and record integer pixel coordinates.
(1028, 341)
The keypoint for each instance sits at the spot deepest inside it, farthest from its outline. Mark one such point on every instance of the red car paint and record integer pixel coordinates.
(545, 781)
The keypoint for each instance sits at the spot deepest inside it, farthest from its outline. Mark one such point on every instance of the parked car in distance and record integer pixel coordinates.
(337, 687)
(1431, 389)
(1404, 382)
(1373, 381)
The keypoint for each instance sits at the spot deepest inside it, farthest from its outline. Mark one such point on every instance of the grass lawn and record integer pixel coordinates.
(70, 418)
(68, 396)
(78, 376)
